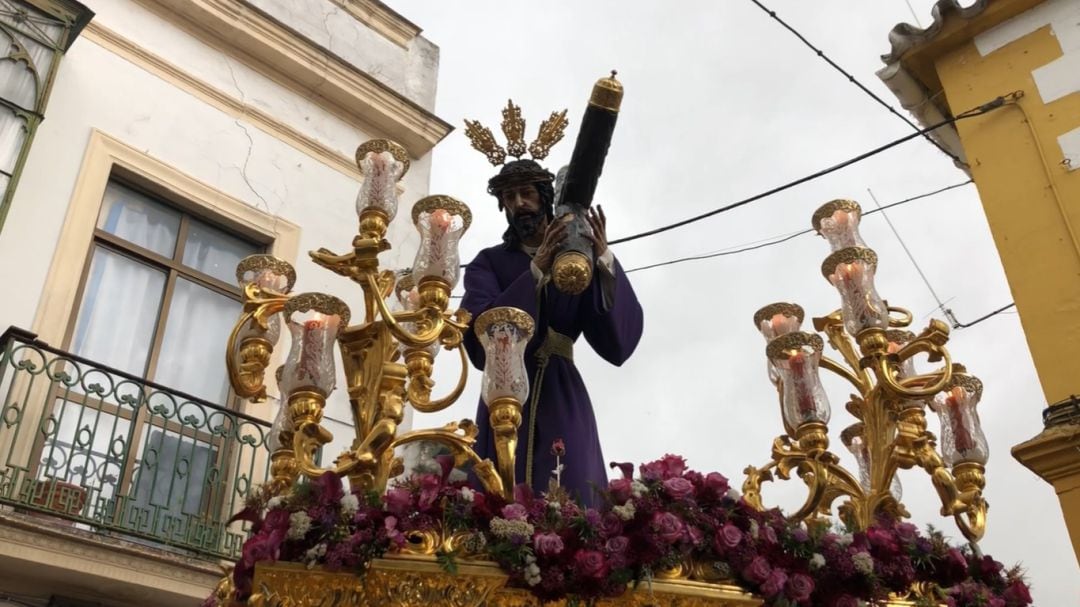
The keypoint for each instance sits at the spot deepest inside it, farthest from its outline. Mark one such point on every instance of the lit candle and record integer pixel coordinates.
(312, 348)
(804, 392)
(962, 436)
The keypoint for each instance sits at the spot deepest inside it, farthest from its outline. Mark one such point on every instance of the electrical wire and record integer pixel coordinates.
(977, 111)
(784, 238)
(852, 78)
(926, 281)
(965, 325)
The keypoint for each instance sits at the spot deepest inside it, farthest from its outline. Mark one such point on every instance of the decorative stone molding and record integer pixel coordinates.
(382, 19)
(303, 66)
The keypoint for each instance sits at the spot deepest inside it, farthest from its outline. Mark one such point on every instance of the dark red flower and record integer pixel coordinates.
(667, 527)
(989, 568)
(774, 584)
(717, 484)
(547, 544)
(678, 488)
(757, 571)
(591, 564)
(620, 490)
(558, 448)
(799, 587)
(1017, 593)
(728, 537)
(669, 466)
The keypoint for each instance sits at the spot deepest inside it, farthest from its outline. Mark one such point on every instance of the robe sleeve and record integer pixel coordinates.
(611, 316)
(482, 292)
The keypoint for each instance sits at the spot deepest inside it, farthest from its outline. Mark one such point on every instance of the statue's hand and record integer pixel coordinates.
(553, 238)
(598, 223)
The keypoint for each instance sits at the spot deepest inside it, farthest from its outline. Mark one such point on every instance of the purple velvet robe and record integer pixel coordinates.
(501, 276)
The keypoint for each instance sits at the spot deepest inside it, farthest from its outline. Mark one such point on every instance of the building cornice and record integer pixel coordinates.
(298, 63)
(382, 19)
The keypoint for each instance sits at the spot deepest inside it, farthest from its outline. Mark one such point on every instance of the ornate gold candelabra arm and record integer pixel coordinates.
(246, 360)
(460, 438)
(420, 364)
(960, 491)
(825, 479)
(833, 328)
(306, 410)
(839, 369)
(433, 318)
(914, 387)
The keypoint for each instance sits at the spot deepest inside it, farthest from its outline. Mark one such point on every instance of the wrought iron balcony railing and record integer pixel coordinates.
(108, 451)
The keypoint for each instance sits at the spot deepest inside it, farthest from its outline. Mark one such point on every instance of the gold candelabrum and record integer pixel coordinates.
(889, 400)
(387, 359)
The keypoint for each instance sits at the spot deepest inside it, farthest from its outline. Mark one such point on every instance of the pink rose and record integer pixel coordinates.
(620, 490)
(398, 501)
(757, 571)
(774, 584)
(799, 587)
(717, 483)
(667, 527)
(515, 512)
(547, 544)
(668, 467)
(728, 536)
(907, 532)
(996, 602)
(769, 534)
(611, 525)
(678, 488)
(392, 532)
(591, 564)
(882, 540)
(617, 545)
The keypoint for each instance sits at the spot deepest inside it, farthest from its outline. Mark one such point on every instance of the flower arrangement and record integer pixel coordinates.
(669, 518)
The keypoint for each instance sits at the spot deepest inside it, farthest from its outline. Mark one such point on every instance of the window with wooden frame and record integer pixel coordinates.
(156, 301)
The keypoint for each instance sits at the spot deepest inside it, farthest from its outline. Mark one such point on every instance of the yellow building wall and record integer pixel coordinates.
(1032, 203)
(1030, 198)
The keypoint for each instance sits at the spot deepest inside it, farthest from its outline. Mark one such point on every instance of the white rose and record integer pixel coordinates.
(467, 494)
(817, 562)
(299, 525)
(350, 504)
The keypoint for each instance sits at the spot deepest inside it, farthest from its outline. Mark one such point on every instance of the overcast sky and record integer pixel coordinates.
(722, 103)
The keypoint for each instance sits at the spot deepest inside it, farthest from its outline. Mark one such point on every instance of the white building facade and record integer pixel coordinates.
(176, 138)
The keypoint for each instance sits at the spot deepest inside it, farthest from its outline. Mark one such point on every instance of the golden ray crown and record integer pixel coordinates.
(513, 126)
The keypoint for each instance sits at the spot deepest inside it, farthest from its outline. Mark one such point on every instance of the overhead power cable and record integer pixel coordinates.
(965, 325)
(978, 111)
(910, 256)
(852, 78)
(784, 238)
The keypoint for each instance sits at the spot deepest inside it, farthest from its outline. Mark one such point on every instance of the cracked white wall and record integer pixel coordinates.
(98, 89)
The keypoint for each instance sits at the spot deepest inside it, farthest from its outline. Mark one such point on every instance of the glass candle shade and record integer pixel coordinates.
(962, 438)
(796, 357)
(267, 272)
(382, 163)
(314, 321)
(441, 221)
(854, 438)
(851, 271)
(504, 332)
(838, 222)
(777, 319)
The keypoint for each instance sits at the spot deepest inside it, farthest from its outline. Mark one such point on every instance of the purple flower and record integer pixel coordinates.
(515, 512)
(989, 568)
(1017, 593)
(429, 490)
(626, 468)
(617, 545)
(592, 517)
(757, 571)
(728, 536)
(774, 584)
(769, 534)
(591, 564)
(669, 466)
(678, 488)
(398, 501)
(620, 490)
(799, 587)
(547, 544)
(667, 527)
(717, 483)
(800, 535)
(611, 525)
(907, 532)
